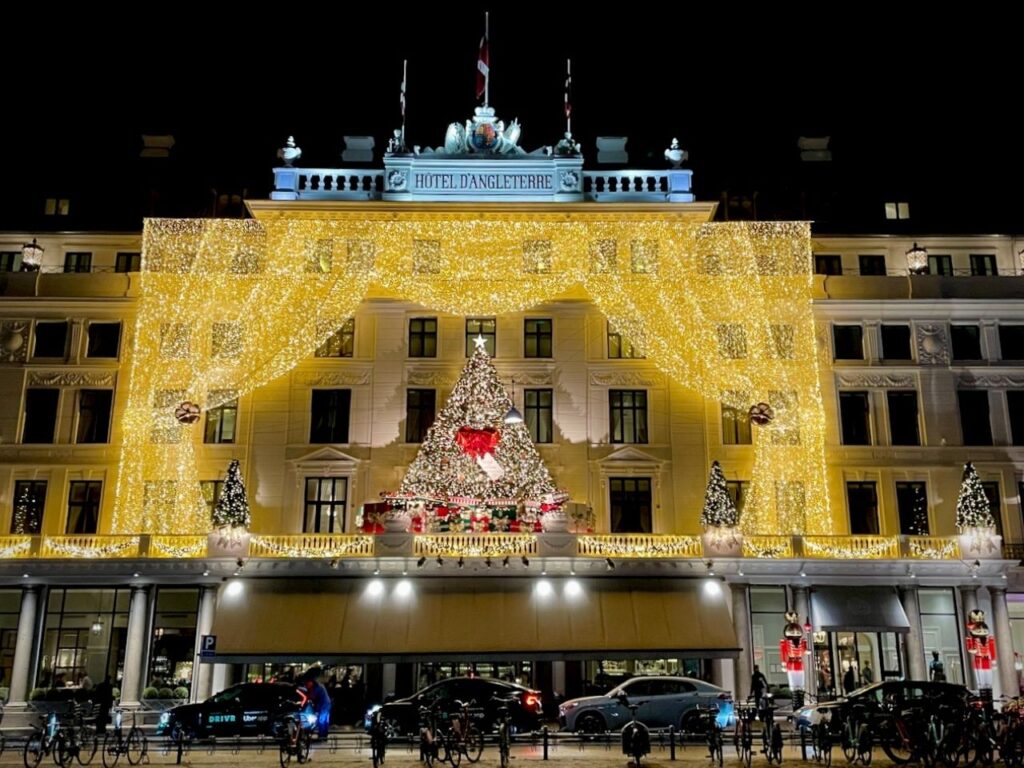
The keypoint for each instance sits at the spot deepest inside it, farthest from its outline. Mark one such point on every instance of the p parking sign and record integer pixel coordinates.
(207, 646)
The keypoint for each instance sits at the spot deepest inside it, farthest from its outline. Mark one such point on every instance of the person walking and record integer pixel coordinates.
(103, 695)
(936, 669)
(321, 701)
(849, 680)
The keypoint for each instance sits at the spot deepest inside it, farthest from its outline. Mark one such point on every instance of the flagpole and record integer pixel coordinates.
(487, 76)
(568, 111)
(405, 64)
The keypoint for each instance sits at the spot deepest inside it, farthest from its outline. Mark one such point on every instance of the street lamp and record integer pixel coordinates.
(31, 256)
(513, 416)
(917, 260)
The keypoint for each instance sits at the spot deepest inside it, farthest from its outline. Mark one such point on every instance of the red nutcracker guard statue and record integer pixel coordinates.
(982, 649)
(792, 648)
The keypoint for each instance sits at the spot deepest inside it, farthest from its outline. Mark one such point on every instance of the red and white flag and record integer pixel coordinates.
(568, 89)
(483, 70)
(401, 95)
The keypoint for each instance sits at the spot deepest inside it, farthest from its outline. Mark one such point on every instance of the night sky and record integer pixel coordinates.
(922, 109)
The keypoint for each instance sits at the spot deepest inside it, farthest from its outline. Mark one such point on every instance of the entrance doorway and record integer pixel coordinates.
(844, 661)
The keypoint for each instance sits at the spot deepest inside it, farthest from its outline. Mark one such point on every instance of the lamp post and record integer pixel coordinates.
(513, 416)
(31, 256)
(917, 260)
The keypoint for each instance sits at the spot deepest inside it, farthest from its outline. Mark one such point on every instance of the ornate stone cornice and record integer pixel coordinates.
(931, 344)
(990, 380)
(430, 378)
(337, 378)
(876, 380)
(70, 379)
(622, 379)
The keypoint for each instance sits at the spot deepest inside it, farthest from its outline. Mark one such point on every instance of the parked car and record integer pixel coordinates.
(402, 715)
(881, 697)
(662, 701)
(247, 709)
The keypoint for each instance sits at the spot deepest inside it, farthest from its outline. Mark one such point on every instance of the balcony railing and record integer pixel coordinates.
(491, 545)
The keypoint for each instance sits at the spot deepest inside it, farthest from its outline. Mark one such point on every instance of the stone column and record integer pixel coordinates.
(968, 602)
(914, 641)
(202, 674)
(135, 646)
(744, 664)
(802, 605)
(24, 646)
(1004, 642)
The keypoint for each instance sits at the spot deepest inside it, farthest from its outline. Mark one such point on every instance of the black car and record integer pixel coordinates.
(403, 715)
(890, 695)
(247, 709)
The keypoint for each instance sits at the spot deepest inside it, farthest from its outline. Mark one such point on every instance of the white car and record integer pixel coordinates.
(661, 702)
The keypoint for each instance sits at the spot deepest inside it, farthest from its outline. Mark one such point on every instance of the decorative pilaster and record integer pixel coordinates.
(802, 605)
(914, 641)
(968, 603)
(135, 646)
(1008, 683)
(741, 621)
(24, 646)
(202, 674)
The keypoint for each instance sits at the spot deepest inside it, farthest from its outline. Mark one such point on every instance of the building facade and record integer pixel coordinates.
(918, 374)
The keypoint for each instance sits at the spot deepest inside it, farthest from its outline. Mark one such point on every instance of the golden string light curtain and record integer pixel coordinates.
(227, 306)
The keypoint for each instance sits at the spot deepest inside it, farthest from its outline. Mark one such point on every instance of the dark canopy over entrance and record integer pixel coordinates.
(858, 609)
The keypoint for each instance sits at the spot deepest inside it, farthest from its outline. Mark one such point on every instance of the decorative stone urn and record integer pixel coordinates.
(980, 544)
(720, 541)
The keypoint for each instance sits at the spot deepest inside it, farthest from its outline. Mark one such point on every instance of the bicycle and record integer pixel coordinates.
(41, 742)
(821, 739)
(636, 739)
(378, 739)
(743, 738)
(504, 729)
(708, 722)
(433, 743)
(856, 737)
(134, 746)
(771, 734)
(77, 739)
(296, 737)
(466, 737)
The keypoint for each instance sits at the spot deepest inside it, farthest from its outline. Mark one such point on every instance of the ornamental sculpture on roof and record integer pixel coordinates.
(484, 134)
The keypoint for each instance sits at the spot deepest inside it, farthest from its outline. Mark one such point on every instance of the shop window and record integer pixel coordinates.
(903, 418)
(828, 264)
(423, 337)
(872, 264)
(537, 337)
(848, 341)
(104, 339)
(735, 426)
(628, 422)
(326, 499)
(862, 502)
(341, 343)
(29, 503)
(420, 406)
(40, 422)
(940, 632)
(85, 633)
(912, 504)
(94, 415)
(896, 342)
(330, 415)
(486, 327)
(51, 340)
(630, 502)
(767, 622)
(965, 341)
(854, 418)
(10, 609)
(172, 653)
(537, 412)
(975, 423)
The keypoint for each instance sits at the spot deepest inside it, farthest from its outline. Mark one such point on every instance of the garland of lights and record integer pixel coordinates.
(770, 550)
(492, 545)
(353, 546)
(22, 545)
(94, 550)
(226, 306)
(167, 548)
(664, 546)
(841, 552)
(948, 550)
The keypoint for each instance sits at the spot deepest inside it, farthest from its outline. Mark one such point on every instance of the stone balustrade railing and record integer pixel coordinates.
(488, 545)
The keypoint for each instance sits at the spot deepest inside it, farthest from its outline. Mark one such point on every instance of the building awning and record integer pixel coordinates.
(487, 618)
(858, 609)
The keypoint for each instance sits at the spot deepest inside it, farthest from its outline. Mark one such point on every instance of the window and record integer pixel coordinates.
(481, 326)
(51, 340)
(211, 490)
(84, 506)
(419, 413)
(341, 343)
(10, 261)
(966, 342)
(848, 341)
(103, 340)
(737, 490)
(872, 265)
(912, 503)
(221, 423)
(128, 262)
(940, 264)
(862, 500)
(537, 404)
(995, 504)
(983, 264)
(853, 417)
(896, 342)
(735, 426)
(826, 264)
(628, 415)
(1011, 341)
(975, 423)
(940, 630)
(903, 421)
(325, 505)
(29, 502)
(70, 644)
(94, 415)
(1015, 407)
(77, 261)
(897, 209)
(423, 337)
(537, 338)
(621, 348)
(40, 415)
(172, 648)
(57, 206)
(330, 413)
(630, 499)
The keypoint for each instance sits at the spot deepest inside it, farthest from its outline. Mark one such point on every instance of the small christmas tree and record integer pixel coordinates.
(26, 517)
(719, 511)
(919, 523)
(232, 510)
(972, 507)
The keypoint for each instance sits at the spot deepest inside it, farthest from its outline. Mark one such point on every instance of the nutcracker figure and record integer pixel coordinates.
(982, 649)
(792, 648)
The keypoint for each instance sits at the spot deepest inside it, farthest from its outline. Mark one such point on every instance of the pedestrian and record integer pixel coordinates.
(103, 695)
(866, 675)
(936, 670)
(758, 685)
(849, 680)
(321, 702)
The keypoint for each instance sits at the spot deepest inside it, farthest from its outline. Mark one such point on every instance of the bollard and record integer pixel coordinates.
(544, 734)
(803, 744)
(671, 742)
(181, 749)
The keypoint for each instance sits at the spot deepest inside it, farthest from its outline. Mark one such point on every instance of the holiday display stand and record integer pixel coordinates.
(720, 518)
(978, 537)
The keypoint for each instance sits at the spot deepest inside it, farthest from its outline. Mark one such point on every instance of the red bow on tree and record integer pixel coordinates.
(477, 442)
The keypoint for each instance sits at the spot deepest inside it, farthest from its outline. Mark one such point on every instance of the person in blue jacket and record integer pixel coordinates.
(321, 701)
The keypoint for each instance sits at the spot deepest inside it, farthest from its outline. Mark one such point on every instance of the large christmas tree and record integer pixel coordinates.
(232, 509)
(719, 511)
(474, 456)
(972, 505)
